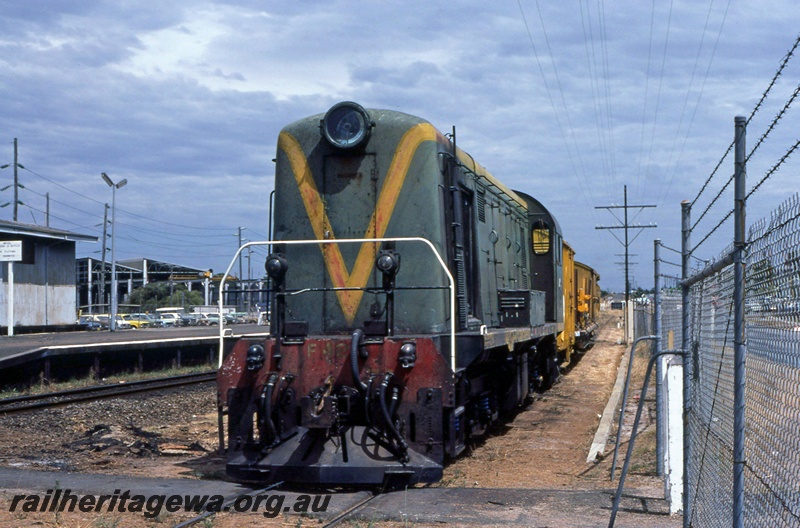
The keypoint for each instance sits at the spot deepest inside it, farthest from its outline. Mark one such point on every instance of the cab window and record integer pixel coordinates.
(540, 238)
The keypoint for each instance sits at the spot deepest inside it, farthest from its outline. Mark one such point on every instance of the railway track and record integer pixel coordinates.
(347, 514)
(20, 404)
(350, 512)
(225, 507)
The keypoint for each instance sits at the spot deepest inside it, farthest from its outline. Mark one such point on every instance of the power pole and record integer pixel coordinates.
(103, 269)
(239, 296)
(16, 184)
(16, 180)
(626, 244)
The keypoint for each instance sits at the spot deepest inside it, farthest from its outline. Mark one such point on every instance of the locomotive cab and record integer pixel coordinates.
(414, 300)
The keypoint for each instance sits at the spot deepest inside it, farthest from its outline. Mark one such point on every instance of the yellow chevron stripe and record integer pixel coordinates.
(349, 300)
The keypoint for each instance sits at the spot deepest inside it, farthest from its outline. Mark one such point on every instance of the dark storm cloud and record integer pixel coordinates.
(568, 103)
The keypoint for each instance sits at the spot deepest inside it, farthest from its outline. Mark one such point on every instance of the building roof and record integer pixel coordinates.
(20, 229)
(157, 266)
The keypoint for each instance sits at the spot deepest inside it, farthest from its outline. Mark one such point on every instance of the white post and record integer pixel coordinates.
(10, 299)
(629, 330)
(673, 454)
(10, 252)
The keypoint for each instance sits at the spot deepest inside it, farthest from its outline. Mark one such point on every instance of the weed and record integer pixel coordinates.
(103, 522)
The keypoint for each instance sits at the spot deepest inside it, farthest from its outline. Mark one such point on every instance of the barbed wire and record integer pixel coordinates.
(774, 168)
(708, 235)
(670, 263)
(775, 120)
(775, 77)
(784, 62)
(719, 164)
(678, 251)
(712, 202)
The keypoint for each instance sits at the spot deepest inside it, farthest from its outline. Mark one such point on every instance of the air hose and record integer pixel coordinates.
(266, 404)
(355, 344)
(388, 419)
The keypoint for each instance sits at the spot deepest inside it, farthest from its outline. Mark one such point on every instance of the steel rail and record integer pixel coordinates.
(350, 511)
(67, 397)
(225, 506)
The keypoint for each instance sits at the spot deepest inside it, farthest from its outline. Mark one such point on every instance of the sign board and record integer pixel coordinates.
(10, 250)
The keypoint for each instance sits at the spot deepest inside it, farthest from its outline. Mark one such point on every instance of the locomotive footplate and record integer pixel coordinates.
(356, 457)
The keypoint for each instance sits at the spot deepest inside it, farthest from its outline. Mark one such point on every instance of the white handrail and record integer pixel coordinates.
(425, 241)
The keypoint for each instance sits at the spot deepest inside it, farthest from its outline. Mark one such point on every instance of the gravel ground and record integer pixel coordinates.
(130, 435)
(174, 434)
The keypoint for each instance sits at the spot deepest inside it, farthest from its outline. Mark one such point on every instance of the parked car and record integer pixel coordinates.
(188, 319)
(170, 319)
(204, 319)
(245, 318)
(119, 322)
(155, 322)
(151, 319)
(137, 320)
(88, 323)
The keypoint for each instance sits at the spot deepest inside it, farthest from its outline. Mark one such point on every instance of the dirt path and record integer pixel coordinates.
(546, 444)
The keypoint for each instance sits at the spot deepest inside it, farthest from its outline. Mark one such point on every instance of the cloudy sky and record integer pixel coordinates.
(567, 101)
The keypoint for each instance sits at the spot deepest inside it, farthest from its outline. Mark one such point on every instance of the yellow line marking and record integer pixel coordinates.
(349, 300)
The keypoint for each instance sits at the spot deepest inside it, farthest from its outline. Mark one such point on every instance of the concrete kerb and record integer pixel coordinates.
(607, 420)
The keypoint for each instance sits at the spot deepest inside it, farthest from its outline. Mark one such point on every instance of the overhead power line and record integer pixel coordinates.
(624, 225)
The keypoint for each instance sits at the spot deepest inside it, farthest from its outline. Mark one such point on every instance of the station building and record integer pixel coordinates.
(52, 286)
(44, 280)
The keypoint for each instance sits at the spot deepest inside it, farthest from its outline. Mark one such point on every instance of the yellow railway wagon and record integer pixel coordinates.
(587, 305)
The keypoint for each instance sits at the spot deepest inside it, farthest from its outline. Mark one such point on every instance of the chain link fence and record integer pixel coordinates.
(642, 319)
(733, 324)
(772, 379)
(712, 414)
(772, 326)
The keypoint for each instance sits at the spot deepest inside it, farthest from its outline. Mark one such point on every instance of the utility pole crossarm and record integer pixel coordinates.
(622, 206)
(632, 226)
(626, 244)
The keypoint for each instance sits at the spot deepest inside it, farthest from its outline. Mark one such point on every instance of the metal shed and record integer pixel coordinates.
(44, 278)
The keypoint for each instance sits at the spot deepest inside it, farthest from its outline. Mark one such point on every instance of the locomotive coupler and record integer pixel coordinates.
(319, 415)
(320, 409)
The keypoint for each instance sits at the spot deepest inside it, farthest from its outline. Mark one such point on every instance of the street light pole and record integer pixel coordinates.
(112, 316)
(240, 297)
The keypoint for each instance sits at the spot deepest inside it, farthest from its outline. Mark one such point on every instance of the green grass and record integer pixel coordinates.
(89, 380)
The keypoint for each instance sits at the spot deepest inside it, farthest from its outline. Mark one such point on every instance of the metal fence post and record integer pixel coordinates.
(625, 400)
(660, 364)
(629, 456)
(739, 351)
(686, 209)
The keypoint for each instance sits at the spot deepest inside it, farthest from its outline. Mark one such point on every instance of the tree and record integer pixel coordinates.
(157, 295)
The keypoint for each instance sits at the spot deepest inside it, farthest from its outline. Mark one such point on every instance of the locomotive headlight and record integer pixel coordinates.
(346, 125)
(255, 357)
(276, 266)
(388, 262)
(408, 355)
